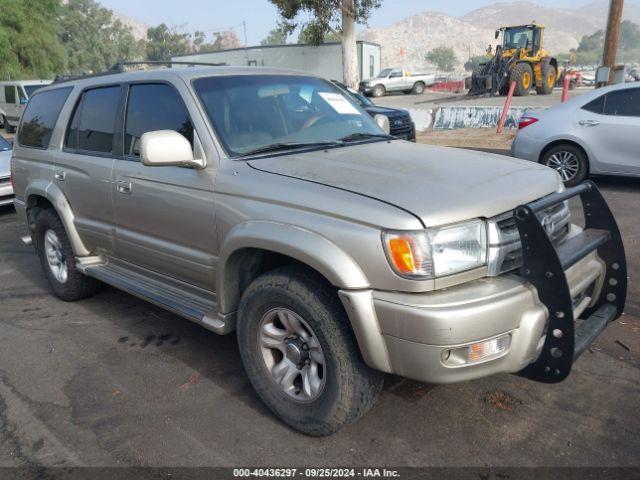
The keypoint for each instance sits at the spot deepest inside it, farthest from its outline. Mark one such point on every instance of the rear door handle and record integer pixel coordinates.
(589, 123)
(124, 188)
(59, 175)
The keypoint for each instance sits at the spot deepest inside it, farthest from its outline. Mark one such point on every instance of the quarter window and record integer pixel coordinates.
(154, 107)
(10, 94)
(92, 126)
(40, 117)
(595, 106)
(625, 103)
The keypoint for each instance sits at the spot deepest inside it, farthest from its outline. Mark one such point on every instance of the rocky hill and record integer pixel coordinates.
(405, 43)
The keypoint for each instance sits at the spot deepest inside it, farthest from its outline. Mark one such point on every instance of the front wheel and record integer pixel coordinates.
(379, 91)
(569, 161)
(418, 88)
(300, 353)
(523, 76)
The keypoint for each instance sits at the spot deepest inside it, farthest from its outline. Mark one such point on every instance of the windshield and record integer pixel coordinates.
(31, 89)
(250, 113)
(519, 37)
(4, 144)
(385, 73)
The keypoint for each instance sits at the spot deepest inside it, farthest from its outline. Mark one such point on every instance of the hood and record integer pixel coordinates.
(389, 112)
(439, 185)
(5, 163)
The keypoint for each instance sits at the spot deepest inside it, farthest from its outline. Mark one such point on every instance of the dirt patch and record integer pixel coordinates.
(501, 400)
(482, 138)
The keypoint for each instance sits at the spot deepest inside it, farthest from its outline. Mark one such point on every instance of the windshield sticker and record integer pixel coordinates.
(339, 103)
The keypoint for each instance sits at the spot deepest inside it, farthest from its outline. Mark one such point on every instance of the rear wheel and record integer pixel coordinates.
(418, 88)
(300, 353)
(523, 76)
(569, 161)
(549, 75)
(58, 260)
(378, 91)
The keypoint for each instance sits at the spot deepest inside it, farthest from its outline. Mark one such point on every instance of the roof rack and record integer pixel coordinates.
(120, 67)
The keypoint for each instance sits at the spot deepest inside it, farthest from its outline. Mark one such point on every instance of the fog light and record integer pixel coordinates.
(477, 352)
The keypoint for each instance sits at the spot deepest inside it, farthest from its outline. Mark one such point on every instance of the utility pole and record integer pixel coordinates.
(611, 37)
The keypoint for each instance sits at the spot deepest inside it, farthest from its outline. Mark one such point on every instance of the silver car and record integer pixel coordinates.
(592, 134)
(6, 189)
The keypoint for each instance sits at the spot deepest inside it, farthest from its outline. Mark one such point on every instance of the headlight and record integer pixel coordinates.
(437, 252)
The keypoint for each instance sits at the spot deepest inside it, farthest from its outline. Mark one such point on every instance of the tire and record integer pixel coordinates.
(522, 74)
(418, 88)
(74, 285)
(3, 119)
(348, 388)
(378, 91)
(569, 155)
(549, 77)
(7, 127)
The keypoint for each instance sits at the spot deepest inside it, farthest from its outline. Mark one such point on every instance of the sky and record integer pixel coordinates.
(261, 16)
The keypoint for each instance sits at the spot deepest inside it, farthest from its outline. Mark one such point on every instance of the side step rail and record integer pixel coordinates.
(544, 266)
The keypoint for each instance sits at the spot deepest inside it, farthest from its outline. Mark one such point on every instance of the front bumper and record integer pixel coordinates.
(409, 334)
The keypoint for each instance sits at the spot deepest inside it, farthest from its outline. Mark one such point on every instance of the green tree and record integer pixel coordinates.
(320, 17)
(277, 36)
(30, 44)
(474, 62)
(93, 38)
(164, 43)
(306, 37)
(442, 57)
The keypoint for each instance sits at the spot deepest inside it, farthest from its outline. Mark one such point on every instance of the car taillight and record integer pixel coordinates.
(526, 121)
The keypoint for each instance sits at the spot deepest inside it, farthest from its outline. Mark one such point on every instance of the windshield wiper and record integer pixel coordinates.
(281, 146)
(363, 136)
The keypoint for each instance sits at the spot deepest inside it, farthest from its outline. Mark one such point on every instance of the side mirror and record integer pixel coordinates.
(497, 34)
(383, 123)
(23, 101)
(164, 148)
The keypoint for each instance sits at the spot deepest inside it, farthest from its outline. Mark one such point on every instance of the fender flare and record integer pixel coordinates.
(309, 248)
(50, 191)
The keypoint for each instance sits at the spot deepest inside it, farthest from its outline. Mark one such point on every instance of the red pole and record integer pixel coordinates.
(565, 88)
(507, 104)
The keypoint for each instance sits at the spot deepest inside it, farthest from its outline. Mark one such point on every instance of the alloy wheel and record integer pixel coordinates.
(565, 163)
(292, 354)
(55, 256)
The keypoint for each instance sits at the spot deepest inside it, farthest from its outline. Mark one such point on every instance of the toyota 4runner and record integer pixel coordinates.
(267, 203)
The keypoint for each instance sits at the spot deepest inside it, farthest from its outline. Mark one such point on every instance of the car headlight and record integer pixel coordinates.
(437, 252)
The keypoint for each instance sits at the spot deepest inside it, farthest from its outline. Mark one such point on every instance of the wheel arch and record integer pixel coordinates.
(43, 194)
(254, 247)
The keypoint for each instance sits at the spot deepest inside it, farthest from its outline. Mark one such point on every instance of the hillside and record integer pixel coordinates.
(470, 34)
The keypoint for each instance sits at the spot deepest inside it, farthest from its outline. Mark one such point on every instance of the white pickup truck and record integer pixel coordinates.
(397, 79)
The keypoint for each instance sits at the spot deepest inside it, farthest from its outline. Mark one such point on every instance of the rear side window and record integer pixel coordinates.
(41, 116)
(154, 107)
(595, 106)
(93, 123)
(625, 103)
(10, 94)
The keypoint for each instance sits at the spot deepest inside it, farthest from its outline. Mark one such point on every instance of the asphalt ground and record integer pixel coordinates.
(115, 381)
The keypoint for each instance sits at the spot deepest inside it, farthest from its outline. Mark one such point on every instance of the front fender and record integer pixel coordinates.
(50, 191)
(309, 248)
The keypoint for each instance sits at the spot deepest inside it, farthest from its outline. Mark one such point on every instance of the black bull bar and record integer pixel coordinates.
(544, 266)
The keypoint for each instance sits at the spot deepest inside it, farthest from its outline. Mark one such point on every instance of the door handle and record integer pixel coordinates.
(124, 188)
(589, 123)
(59, 175)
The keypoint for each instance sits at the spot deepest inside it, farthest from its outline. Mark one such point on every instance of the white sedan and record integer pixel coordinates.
(591, 134)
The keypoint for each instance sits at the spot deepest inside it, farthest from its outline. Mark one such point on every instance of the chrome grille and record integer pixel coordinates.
(505, 250)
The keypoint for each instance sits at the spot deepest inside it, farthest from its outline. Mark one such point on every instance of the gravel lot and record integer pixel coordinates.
(113, 380)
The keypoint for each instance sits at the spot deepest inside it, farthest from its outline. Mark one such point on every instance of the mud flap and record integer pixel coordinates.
(544, 266)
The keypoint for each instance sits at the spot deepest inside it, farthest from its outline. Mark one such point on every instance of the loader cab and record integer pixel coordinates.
(527, 37)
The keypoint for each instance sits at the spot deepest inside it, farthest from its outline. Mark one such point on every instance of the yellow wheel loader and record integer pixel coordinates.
(520, 58)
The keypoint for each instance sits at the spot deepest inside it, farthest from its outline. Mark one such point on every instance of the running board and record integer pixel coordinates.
(189, 302)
